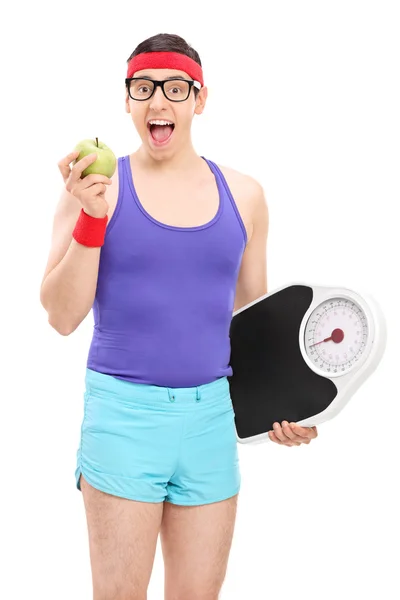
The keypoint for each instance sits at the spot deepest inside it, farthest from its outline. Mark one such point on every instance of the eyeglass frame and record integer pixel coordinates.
(161, 83)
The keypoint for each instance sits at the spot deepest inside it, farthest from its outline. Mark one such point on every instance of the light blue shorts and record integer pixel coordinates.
(151, 443)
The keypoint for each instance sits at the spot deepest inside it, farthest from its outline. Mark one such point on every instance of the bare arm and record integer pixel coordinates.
(69, 283)
(252, 279)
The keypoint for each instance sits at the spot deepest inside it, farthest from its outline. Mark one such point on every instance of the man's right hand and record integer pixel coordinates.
(89, 190)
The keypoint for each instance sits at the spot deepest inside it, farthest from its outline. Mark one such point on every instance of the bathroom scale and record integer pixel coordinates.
(299, 353)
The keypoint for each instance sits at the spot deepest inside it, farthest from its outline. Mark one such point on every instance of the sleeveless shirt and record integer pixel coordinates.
(165, 294)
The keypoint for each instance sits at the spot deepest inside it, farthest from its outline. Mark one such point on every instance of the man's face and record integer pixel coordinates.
(158, 107)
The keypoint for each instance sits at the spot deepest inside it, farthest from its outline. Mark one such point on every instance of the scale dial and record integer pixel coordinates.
(335, 336)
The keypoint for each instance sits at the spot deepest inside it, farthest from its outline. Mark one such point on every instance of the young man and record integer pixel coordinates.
(164, 252)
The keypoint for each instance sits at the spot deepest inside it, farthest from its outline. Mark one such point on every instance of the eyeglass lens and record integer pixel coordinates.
(176, 89)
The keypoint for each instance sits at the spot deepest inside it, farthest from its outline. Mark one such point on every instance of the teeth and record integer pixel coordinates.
(158, 122)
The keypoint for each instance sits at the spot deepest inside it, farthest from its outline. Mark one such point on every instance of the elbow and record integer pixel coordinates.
(58, 319)
(61, 326)
(64, 332)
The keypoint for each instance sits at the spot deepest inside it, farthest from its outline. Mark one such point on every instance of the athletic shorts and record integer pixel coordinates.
(153, 444)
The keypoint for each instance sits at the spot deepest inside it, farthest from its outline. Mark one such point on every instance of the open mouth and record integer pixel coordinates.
(161, 133)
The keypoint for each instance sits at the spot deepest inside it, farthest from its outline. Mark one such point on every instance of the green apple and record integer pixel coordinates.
(106, 162)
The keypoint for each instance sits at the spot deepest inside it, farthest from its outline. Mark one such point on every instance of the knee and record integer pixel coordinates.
(122, 595)
(194, 590)
(193, 595)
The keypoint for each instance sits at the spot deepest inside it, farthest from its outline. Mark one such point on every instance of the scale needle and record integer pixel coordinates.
(337, 336)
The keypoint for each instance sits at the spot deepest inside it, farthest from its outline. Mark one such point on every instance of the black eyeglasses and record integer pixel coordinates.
(176, 90)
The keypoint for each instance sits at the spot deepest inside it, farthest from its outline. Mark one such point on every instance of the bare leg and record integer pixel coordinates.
(196, 542)
(122, 540)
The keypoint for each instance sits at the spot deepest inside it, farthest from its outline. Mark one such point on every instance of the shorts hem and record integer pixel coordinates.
(200, 503)
(112, 492)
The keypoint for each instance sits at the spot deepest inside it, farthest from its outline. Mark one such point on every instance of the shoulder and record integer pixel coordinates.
(249, 189)
(246, 183)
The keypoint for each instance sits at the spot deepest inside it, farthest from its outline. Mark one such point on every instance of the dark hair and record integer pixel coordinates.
(167, 42)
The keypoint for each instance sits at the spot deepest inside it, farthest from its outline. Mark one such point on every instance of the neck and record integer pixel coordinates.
(184, 159)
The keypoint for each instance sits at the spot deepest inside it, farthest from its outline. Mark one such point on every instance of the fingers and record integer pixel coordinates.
(284, 434)
(277, 435)
(64, 163)
(273, 436)
(77, 187)
(290, 434)
(99, 189)
(305, 432)
(73, 175)
(79, 167)
(92, 179)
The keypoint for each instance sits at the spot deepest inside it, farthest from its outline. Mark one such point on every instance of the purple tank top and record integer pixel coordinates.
(165, 294)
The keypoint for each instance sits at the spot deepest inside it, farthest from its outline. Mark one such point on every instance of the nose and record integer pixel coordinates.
(158, 100)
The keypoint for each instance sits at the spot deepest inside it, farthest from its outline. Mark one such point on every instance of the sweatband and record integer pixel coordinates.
(90, 231)
(166, 60)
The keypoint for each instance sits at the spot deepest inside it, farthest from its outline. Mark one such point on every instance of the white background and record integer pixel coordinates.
(303, 96)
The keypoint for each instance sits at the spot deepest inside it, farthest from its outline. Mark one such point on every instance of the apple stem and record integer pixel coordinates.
(97, 142)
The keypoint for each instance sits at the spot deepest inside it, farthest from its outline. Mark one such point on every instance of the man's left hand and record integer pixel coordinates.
(291, 434)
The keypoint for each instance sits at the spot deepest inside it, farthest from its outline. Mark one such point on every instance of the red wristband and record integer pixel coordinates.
(90, 231)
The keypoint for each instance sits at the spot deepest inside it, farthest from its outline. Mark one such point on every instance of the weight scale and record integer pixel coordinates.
(299, 353)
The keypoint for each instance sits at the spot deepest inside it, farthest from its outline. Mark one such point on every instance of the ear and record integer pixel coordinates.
(201, 101)
(127, 107)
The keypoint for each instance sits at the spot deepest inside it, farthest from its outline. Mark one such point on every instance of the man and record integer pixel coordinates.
(164, 252)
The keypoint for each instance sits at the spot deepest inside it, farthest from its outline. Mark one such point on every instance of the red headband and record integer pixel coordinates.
(166, 60)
